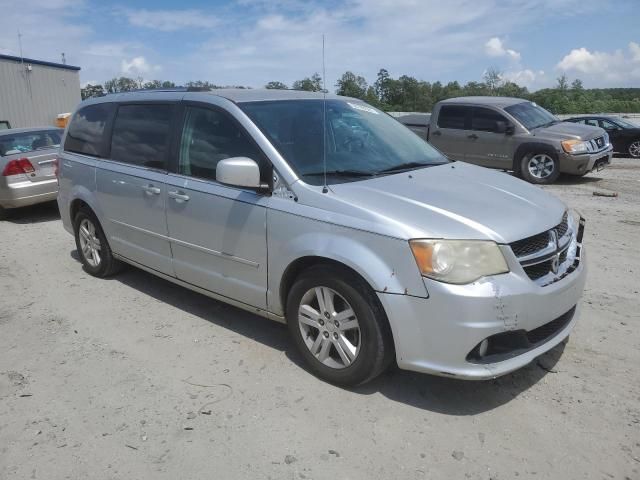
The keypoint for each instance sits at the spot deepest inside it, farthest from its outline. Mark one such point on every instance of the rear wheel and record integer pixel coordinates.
(634, 149)
(338, 326)
(540, 168)
(92, 245)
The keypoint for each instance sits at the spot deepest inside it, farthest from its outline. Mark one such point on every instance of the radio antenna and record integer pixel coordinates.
(325, 189)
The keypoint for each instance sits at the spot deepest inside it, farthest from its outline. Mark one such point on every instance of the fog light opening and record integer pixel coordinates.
(483, 347)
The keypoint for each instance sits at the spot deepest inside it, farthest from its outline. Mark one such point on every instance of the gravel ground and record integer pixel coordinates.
(135, 378)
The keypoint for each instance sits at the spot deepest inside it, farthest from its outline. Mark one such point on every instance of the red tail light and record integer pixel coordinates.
(18, 167)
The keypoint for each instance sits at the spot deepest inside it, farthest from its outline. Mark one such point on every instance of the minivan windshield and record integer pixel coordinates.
(361, 141)
(531, 115)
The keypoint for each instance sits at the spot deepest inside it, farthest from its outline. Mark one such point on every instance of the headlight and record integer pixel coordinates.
(575, 146)
(458, 261)
(573, 219)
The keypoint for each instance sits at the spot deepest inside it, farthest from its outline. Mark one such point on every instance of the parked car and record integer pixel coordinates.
(515, 134)
(27, 166)
(367, 242)
(624, 135)
(418, 123)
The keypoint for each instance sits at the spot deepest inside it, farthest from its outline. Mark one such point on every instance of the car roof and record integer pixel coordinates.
(415, 118)
(236, 95)
(490, 101)
(13, 131)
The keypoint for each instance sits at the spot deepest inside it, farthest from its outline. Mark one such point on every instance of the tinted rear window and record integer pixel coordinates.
(141, 135)
(453, 116)
(86, 131)
(29, 141)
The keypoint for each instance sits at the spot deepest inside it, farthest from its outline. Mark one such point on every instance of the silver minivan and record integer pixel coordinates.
(328, 215)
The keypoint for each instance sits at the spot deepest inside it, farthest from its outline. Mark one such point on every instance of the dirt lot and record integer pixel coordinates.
(133, 378)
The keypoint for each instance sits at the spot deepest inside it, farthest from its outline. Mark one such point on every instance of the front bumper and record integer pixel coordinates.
(585, 163)
(25, 193)
(437, 334)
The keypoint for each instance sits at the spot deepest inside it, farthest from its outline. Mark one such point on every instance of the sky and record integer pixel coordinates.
(252, 42)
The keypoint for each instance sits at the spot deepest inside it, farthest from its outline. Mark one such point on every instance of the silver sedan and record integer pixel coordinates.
(27, 166)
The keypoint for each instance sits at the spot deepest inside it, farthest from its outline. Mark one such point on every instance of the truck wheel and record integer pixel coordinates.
(338, 326)
(93, 247)
(540, 168)
(634, 149)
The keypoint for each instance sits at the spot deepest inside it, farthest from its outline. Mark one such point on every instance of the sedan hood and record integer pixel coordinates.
(455, 200)
(569, 130)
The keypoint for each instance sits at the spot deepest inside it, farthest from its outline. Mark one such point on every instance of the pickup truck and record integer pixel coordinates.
(514, 134)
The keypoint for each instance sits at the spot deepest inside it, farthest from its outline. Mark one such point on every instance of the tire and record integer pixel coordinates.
(541, 168)
(3, 214)
(634, 149)
(332, 334)
(93, 248)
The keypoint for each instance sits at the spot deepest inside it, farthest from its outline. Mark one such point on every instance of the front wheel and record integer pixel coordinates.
(540, 168)
(338, 326)
(634, 149)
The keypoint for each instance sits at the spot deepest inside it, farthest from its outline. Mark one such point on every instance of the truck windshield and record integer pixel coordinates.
(361, 141)
(531, 115)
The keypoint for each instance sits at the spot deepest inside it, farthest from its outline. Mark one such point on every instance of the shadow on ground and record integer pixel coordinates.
(42, 212)
(437, 394)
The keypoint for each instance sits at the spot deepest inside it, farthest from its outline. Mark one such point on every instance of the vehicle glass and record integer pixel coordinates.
(85, 134)
(360, 140)
(453, 116)
(608, 125)
(625, 124)
(209, 136)
(4, 125)
(593, 122)
(29, 141)
(531, 115)
(141, 135)
(485, 119)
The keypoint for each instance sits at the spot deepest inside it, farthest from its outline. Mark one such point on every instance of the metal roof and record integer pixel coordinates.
(493, 101)
(38, 62)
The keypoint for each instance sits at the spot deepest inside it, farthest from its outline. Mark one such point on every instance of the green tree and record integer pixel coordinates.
(276, 86)
(493, 80)
(90, 91)
(121, 84)
(313, 84)
(563, 83)
(352, 85)
(576, 85)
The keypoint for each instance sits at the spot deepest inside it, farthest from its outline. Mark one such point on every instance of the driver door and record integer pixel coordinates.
(489, 148)
(217, 232)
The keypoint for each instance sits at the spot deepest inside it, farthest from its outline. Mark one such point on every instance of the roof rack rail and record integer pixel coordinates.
(170, 89)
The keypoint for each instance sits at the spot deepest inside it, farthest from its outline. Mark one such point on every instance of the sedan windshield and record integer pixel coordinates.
(361, 141)
(531, 115)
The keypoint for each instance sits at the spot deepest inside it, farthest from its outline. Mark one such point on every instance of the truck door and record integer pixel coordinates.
(451, 131)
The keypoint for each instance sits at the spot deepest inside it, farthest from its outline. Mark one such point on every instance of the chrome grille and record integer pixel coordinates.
(545, 257)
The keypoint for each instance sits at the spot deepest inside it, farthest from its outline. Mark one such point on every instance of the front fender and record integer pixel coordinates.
(386, 263)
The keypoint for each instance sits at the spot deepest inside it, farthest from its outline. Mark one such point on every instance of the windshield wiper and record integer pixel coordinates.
(409, 166)
(343, 173)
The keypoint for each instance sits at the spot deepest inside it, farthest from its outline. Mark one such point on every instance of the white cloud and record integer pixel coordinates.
(526, 77)
(610, 68)
(495, 48)
(138, 66)
(170, 20)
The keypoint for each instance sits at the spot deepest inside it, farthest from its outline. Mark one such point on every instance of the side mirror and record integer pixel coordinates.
(504, 127)
(239, 172)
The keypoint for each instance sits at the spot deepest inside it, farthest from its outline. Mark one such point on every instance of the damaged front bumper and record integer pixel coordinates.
(443, 334)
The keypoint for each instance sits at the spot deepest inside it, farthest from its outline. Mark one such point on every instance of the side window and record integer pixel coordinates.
(579, 121)
(86, 131)
(485, 119)
(209, 136)
(141, 135)
(607, 125)
(453, 116)
(591, 121)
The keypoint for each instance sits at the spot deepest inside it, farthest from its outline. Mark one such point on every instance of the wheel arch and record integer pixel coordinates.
(532, 147)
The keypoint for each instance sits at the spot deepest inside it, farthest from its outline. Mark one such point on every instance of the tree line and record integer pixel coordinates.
(408, 94)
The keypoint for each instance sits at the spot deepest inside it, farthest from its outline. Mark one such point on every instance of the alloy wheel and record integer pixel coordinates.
(89, 243)
(541, 165)
(329, 327)
(634, 149)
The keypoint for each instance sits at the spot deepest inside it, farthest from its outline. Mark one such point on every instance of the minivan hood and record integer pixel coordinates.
(569, 130)
(456, 201)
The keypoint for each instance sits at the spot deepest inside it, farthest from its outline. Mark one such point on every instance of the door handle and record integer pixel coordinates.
(473, 136)
(178, 196)
(437, 133)
(151, 190)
